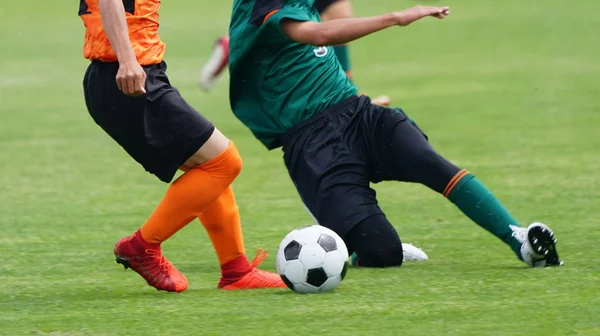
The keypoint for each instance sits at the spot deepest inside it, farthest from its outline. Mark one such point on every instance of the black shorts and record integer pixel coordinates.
(322, 5)
(333, 157)
(159, 129)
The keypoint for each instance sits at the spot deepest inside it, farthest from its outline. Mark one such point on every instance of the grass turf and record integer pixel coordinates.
(506, 89)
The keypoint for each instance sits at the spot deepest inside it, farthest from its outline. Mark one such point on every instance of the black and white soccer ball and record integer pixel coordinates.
(312, 259)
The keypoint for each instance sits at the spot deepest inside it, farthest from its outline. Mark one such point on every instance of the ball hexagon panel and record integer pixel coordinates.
(312, 255)
(287, 282)
(280, 261)
(295, 271)
(288, 238)
(292, 250)
(305, 289)
(309, 234)
(331, 284)
(334, 263)
(327, 242)
(316, 277)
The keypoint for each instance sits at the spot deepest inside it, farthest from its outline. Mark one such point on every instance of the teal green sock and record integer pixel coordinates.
(482, 207)
(354, 259)
(344, 57)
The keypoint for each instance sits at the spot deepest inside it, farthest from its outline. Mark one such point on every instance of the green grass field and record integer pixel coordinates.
(508, 89)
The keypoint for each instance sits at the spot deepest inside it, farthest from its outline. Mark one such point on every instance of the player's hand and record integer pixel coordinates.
(131, 78)
(408, 16)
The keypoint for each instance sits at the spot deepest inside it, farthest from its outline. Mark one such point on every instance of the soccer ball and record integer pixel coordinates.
(312, 259)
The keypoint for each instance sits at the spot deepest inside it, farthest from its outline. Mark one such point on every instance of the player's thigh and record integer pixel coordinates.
(216, 144)
(401, 151)
(332, 182)
(160, 130)
(172, 124)
(120, 116)
(339, 201)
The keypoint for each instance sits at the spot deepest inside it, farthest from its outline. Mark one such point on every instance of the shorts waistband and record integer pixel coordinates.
(290, 133)
(96, 62)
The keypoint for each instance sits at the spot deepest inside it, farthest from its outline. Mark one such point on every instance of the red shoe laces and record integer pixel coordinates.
(260, 256)
(163, 264)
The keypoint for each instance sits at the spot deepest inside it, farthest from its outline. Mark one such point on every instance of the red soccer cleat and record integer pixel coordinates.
(146, 259)
(216, 64)
(256, 278)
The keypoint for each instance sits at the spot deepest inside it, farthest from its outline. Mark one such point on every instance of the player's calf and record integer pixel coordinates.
(535, 245)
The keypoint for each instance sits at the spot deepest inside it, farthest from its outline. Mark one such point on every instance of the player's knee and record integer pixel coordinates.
(375, 255)
(376, 243)
(227, 165)
(232, 163)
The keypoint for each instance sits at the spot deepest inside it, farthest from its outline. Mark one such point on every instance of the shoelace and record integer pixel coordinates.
(260, 256)
(267, 279)
(162, 261)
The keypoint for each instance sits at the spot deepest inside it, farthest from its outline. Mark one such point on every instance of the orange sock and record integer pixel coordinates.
(191, 194)
(222, 223)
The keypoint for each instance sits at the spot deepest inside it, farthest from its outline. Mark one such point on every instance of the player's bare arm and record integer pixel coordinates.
(131, 78)
(342, 31)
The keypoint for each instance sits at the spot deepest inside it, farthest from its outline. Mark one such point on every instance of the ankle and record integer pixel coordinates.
(139, 240)
(234, 270)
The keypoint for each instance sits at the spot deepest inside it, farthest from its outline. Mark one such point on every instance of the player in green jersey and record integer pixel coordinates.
(293, 95)
(328, 10)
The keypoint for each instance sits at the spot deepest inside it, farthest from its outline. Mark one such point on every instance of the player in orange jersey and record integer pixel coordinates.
(128, 94)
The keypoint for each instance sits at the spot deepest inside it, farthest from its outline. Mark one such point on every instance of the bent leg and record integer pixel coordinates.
(342, 200)
(410, 158)
(375, 242)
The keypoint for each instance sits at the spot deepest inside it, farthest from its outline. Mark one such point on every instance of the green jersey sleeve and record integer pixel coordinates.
(294, 11)
(275, 82)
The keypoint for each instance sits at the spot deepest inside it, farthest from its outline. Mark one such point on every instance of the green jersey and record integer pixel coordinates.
(276, 83)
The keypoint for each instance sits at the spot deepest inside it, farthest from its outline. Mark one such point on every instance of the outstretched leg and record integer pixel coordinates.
(409, 157)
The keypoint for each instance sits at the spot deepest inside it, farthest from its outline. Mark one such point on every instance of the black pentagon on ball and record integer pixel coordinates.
(344, 270)
(316, 277)
(287, 282)
(327, 242)
(292, 250)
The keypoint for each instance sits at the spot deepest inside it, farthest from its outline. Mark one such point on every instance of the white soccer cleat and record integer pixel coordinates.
(538, 245)
(413, 253)
(216, 64)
